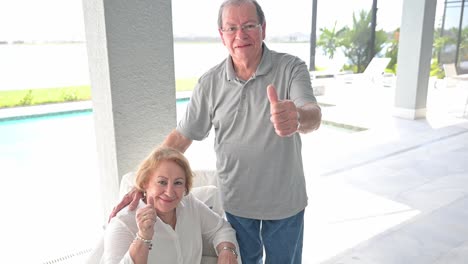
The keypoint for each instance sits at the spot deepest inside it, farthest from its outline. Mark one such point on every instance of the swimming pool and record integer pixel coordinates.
(50, 185)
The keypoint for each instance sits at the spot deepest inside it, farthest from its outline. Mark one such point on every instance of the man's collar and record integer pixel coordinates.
(265, 63)
(263, 68)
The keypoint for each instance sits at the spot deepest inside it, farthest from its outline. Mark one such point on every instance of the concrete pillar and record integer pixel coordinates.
(414, 58)
(131, 61)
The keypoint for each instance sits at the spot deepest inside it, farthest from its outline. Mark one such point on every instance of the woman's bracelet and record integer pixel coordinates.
(233, 250)
(148, 243)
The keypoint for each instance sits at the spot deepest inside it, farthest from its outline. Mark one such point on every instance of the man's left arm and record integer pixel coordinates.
(309, 117)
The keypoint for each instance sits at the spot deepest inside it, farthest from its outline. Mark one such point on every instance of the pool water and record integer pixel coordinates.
(50, 185)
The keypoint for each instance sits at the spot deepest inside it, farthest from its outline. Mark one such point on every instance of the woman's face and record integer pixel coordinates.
(166, 186)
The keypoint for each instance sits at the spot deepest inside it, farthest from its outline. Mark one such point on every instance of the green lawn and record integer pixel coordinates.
(64, 94)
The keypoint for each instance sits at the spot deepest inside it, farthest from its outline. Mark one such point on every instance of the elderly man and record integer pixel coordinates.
(258, 101)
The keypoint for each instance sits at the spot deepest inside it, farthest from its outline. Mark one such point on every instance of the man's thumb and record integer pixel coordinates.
(272, 95)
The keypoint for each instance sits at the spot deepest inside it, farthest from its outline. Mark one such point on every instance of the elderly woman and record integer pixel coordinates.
(169, 222)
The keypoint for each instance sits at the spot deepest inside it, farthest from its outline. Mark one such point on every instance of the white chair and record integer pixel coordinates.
(330, 72)
(374, 74)
(452, 78)
(321, 79)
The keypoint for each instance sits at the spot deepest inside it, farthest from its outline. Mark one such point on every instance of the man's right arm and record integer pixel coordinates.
(178, 141)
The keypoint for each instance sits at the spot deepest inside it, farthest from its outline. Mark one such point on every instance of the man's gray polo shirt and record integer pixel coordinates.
(260, 174)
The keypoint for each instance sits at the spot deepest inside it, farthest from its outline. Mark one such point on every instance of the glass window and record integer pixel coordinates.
(451, 24)
(463, 50)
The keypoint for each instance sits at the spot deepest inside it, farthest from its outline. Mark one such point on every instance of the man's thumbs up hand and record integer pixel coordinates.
(284, 114)
(272, 95)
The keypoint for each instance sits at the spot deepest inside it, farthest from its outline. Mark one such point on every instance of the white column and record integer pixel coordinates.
(131, 61)
(414, 58)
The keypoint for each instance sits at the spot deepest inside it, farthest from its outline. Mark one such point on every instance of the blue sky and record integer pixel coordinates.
(63, 19)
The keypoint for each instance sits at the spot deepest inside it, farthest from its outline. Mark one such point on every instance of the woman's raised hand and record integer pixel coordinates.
(146, 218)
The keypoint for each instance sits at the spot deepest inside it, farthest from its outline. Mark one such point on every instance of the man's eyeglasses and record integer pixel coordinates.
(245, 28)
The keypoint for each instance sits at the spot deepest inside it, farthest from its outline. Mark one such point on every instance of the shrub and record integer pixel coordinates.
(436, 69)
(70, 95)
(27, 99)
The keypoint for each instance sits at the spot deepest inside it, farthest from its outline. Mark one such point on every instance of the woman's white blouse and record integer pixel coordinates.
(180, 246)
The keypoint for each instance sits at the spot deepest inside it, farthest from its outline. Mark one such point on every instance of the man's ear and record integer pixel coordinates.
(221, 36)
(263, 30)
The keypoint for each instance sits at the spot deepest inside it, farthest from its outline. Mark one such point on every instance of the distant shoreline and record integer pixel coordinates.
(176, 40)
(62, 64)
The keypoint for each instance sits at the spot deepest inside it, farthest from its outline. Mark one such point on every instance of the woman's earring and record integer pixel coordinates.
(144, 196)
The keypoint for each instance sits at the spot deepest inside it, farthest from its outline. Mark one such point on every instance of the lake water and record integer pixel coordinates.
(56, 65)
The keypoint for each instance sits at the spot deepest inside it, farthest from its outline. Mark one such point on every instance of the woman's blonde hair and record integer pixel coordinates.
(151, 163)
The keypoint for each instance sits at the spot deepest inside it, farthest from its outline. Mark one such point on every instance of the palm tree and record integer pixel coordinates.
(356, 40)
(329, 40)
(463, 54)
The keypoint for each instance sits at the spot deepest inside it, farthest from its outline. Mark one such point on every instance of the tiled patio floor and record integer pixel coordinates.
(395, 193)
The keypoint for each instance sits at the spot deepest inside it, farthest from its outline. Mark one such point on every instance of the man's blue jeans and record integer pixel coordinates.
(282, 239)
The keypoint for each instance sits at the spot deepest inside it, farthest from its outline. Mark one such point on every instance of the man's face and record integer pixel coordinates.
(241, 32)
